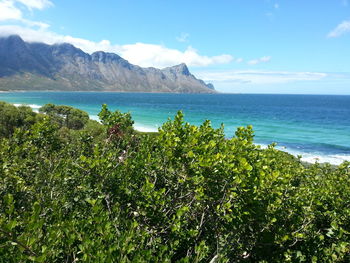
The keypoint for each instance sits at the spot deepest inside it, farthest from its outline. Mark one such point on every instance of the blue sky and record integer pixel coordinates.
(241, 46)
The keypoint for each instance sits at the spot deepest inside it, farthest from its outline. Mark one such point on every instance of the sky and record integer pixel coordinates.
(241, 46)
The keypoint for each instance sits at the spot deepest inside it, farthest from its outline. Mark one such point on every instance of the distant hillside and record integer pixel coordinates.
(38, 66)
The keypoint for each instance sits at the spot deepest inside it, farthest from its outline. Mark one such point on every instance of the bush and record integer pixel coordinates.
(12, 117)
(66, 116)
(186, 194)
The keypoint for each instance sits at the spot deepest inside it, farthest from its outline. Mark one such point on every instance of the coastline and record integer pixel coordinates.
(309, 157)
(306, 157)
(113, 91)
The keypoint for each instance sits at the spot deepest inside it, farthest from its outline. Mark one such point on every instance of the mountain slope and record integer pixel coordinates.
(38, 66)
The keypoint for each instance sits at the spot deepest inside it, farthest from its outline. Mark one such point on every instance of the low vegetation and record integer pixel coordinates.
(76, 190)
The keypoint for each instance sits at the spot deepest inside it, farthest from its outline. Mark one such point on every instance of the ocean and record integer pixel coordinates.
(314, 126)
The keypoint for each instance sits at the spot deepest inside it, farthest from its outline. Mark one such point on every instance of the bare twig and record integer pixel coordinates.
(9, 235)
(214, 259)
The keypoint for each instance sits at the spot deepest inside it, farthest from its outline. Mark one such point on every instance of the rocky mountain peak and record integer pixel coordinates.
(101, 56)
(180, 69)
(38, 66)
(15, 39)
(210, 86)
(11, 43)
(67, 49)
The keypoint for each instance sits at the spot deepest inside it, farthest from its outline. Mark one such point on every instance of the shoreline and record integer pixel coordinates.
(308, 157)
(190, 93)
(112, 91)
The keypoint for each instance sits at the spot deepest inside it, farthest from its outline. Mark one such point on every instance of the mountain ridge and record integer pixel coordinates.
(39, 66)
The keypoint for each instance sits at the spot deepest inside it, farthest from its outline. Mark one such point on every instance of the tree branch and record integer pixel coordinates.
(9, 235)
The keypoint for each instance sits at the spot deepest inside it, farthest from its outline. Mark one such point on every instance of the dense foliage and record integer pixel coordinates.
(12, 117)
(82, 191)
(66, 116)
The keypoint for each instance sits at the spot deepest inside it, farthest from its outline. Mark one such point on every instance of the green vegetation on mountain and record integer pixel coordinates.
(76, 190)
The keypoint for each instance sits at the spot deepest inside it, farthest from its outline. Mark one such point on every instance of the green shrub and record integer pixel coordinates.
(66, 116)
(185, 194)
(12, 117)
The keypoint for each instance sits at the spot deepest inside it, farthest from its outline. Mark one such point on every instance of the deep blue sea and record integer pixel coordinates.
(315, 126)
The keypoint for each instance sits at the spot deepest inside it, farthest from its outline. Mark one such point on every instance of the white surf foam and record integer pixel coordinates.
(319, 158)
(34, 107)
(94, 117)
(143, 128)
(137, 126)
(314, 157)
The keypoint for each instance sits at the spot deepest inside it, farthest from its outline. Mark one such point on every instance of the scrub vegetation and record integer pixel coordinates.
(77, 190)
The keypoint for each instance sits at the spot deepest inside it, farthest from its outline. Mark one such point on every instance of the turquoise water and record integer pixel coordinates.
(315, 126)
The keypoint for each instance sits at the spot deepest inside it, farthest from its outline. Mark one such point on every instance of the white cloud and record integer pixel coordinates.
(276, 6)
(8, 11)
(43, 35)
(259, 77)
(38, 24)
(341, 29)
(35, 4)
(142, 54)
(183, 37)
(160, 56)
(259, 60)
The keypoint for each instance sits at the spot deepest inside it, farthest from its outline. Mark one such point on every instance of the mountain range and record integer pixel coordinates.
(38, 66)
